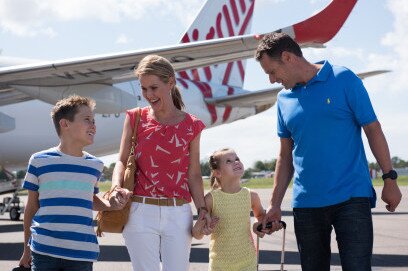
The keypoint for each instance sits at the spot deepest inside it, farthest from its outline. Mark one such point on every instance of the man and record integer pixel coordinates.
(320, 115)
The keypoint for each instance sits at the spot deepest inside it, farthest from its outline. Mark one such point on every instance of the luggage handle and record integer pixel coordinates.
(268, 226)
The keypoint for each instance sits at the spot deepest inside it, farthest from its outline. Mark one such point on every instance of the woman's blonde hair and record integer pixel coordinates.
(214, 163)
(162, 68)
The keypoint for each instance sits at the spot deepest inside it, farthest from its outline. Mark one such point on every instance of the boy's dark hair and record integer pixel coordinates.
(273, 44)
(67, 109)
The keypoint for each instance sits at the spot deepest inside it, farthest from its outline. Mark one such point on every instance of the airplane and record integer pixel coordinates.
(210, 66)
(8, 183)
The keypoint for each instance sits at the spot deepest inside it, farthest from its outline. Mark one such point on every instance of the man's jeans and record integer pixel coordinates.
(353, 225)
(47, 263)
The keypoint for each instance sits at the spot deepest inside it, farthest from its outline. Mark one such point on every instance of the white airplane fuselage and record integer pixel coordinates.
(210, 66)
(33, 121)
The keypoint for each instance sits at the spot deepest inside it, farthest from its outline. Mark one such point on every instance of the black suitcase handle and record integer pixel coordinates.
(269, 225)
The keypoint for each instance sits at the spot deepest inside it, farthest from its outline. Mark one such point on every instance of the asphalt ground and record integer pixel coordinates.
(390, 242)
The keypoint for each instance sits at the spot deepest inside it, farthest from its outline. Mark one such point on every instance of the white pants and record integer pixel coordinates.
(159, 232)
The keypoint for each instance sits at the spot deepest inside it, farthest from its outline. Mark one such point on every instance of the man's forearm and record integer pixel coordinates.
(283, 176)
(378, 145)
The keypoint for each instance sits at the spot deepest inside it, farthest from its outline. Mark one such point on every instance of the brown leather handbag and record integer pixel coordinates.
(114, 221)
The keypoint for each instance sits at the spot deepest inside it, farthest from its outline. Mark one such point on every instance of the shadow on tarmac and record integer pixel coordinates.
(12, 228)
(12, 252)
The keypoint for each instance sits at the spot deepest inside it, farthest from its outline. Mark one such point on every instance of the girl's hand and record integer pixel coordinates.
(255, 229)
(198, 228)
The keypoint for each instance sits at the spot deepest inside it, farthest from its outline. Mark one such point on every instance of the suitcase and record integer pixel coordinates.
(282, 260)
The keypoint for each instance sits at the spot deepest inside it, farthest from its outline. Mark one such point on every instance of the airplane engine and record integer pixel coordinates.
(109, 99)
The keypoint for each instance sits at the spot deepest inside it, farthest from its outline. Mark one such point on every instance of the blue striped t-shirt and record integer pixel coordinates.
(62, 226)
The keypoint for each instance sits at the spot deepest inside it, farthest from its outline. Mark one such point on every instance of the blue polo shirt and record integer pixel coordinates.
(324, 119)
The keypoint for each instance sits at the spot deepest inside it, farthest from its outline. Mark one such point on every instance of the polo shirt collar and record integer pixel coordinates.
(321, 75)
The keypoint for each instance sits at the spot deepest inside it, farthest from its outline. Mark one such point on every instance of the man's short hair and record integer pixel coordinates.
(273, 44)
(67, 109)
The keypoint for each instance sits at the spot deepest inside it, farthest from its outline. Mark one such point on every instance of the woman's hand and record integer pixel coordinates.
(200, 227)
(119, 197)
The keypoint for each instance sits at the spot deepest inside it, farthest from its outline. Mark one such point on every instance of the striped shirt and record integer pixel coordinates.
(62, 226)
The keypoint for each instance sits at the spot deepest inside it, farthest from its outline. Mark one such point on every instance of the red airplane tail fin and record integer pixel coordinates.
(323, 26)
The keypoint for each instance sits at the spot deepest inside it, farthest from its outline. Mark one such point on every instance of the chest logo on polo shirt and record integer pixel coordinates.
(328, 100)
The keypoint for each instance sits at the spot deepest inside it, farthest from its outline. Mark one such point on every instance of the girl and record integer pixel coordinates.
(231, 246)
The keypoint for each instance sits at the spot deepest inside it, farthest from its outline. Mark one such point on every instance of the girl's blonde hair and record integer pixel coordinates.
(214, 163)
(162, 68)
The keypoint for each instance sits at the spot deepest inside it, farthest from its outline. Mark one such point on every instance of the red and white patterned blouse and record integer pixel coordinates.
(162, 155)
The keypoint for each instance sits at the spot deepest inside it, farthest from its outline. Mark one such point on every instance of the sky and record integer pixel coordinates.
(373, 37)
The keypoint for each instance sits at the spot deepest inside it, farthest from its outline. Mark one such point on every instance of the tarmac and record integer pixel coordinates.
(390, 250)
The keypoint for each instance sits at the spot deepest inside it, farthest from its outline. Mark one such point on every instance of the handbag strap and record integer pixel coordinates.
(134, 135)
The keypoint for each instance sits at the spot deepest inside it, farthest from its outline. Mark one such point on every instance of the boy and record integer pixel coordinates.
(62, 188)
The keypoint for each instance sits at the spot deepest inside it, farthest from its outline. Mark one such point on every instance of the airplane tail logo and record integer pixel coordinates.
(220, 19)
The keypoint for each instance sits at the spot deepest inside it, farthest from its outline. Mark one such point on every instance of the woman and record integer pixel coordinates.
(168, 175)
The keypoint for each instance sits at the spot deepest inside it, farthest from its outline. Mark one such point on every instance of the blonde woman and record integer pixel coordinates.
(168, 176)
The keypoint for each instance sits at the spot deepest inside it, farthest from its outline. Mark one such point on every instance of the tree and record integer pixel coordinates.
(268, 165)
(259, 166)
(108, 171)
(20, 174)
(398, 162)
(247, 173)
(205, 168)
(374, 166)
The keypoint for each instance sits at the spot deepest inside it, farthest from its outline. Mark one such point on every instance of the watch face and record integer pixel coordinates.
(392, 174)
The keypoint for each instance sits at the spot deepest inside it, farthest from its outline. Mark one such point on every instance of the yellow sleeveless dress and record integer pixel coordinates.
(232, 246)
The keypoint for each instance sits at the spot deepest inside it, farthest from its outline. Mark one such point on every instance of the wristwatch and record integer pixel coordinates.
(392, 174)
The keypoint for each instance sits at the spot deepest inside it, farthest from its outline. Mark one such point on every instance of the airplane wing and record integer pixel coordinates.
(257, 98)
(114, 68)
(267, 97)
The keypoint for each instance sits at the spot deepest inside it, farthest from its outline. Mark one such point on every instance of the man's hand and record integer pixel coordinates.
(391, 195)
(273, 214)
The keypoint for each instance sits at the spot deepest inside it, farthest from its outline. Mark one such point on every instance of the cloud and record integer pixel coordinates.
(238, 135)
(122, 39)
(397, 41)
(337, 52)
(36, 17)
(388, 92)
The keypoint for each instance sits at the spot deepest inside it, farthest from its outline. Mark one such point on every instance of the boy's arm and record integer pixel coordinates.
(100, 204)
(30, 210)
